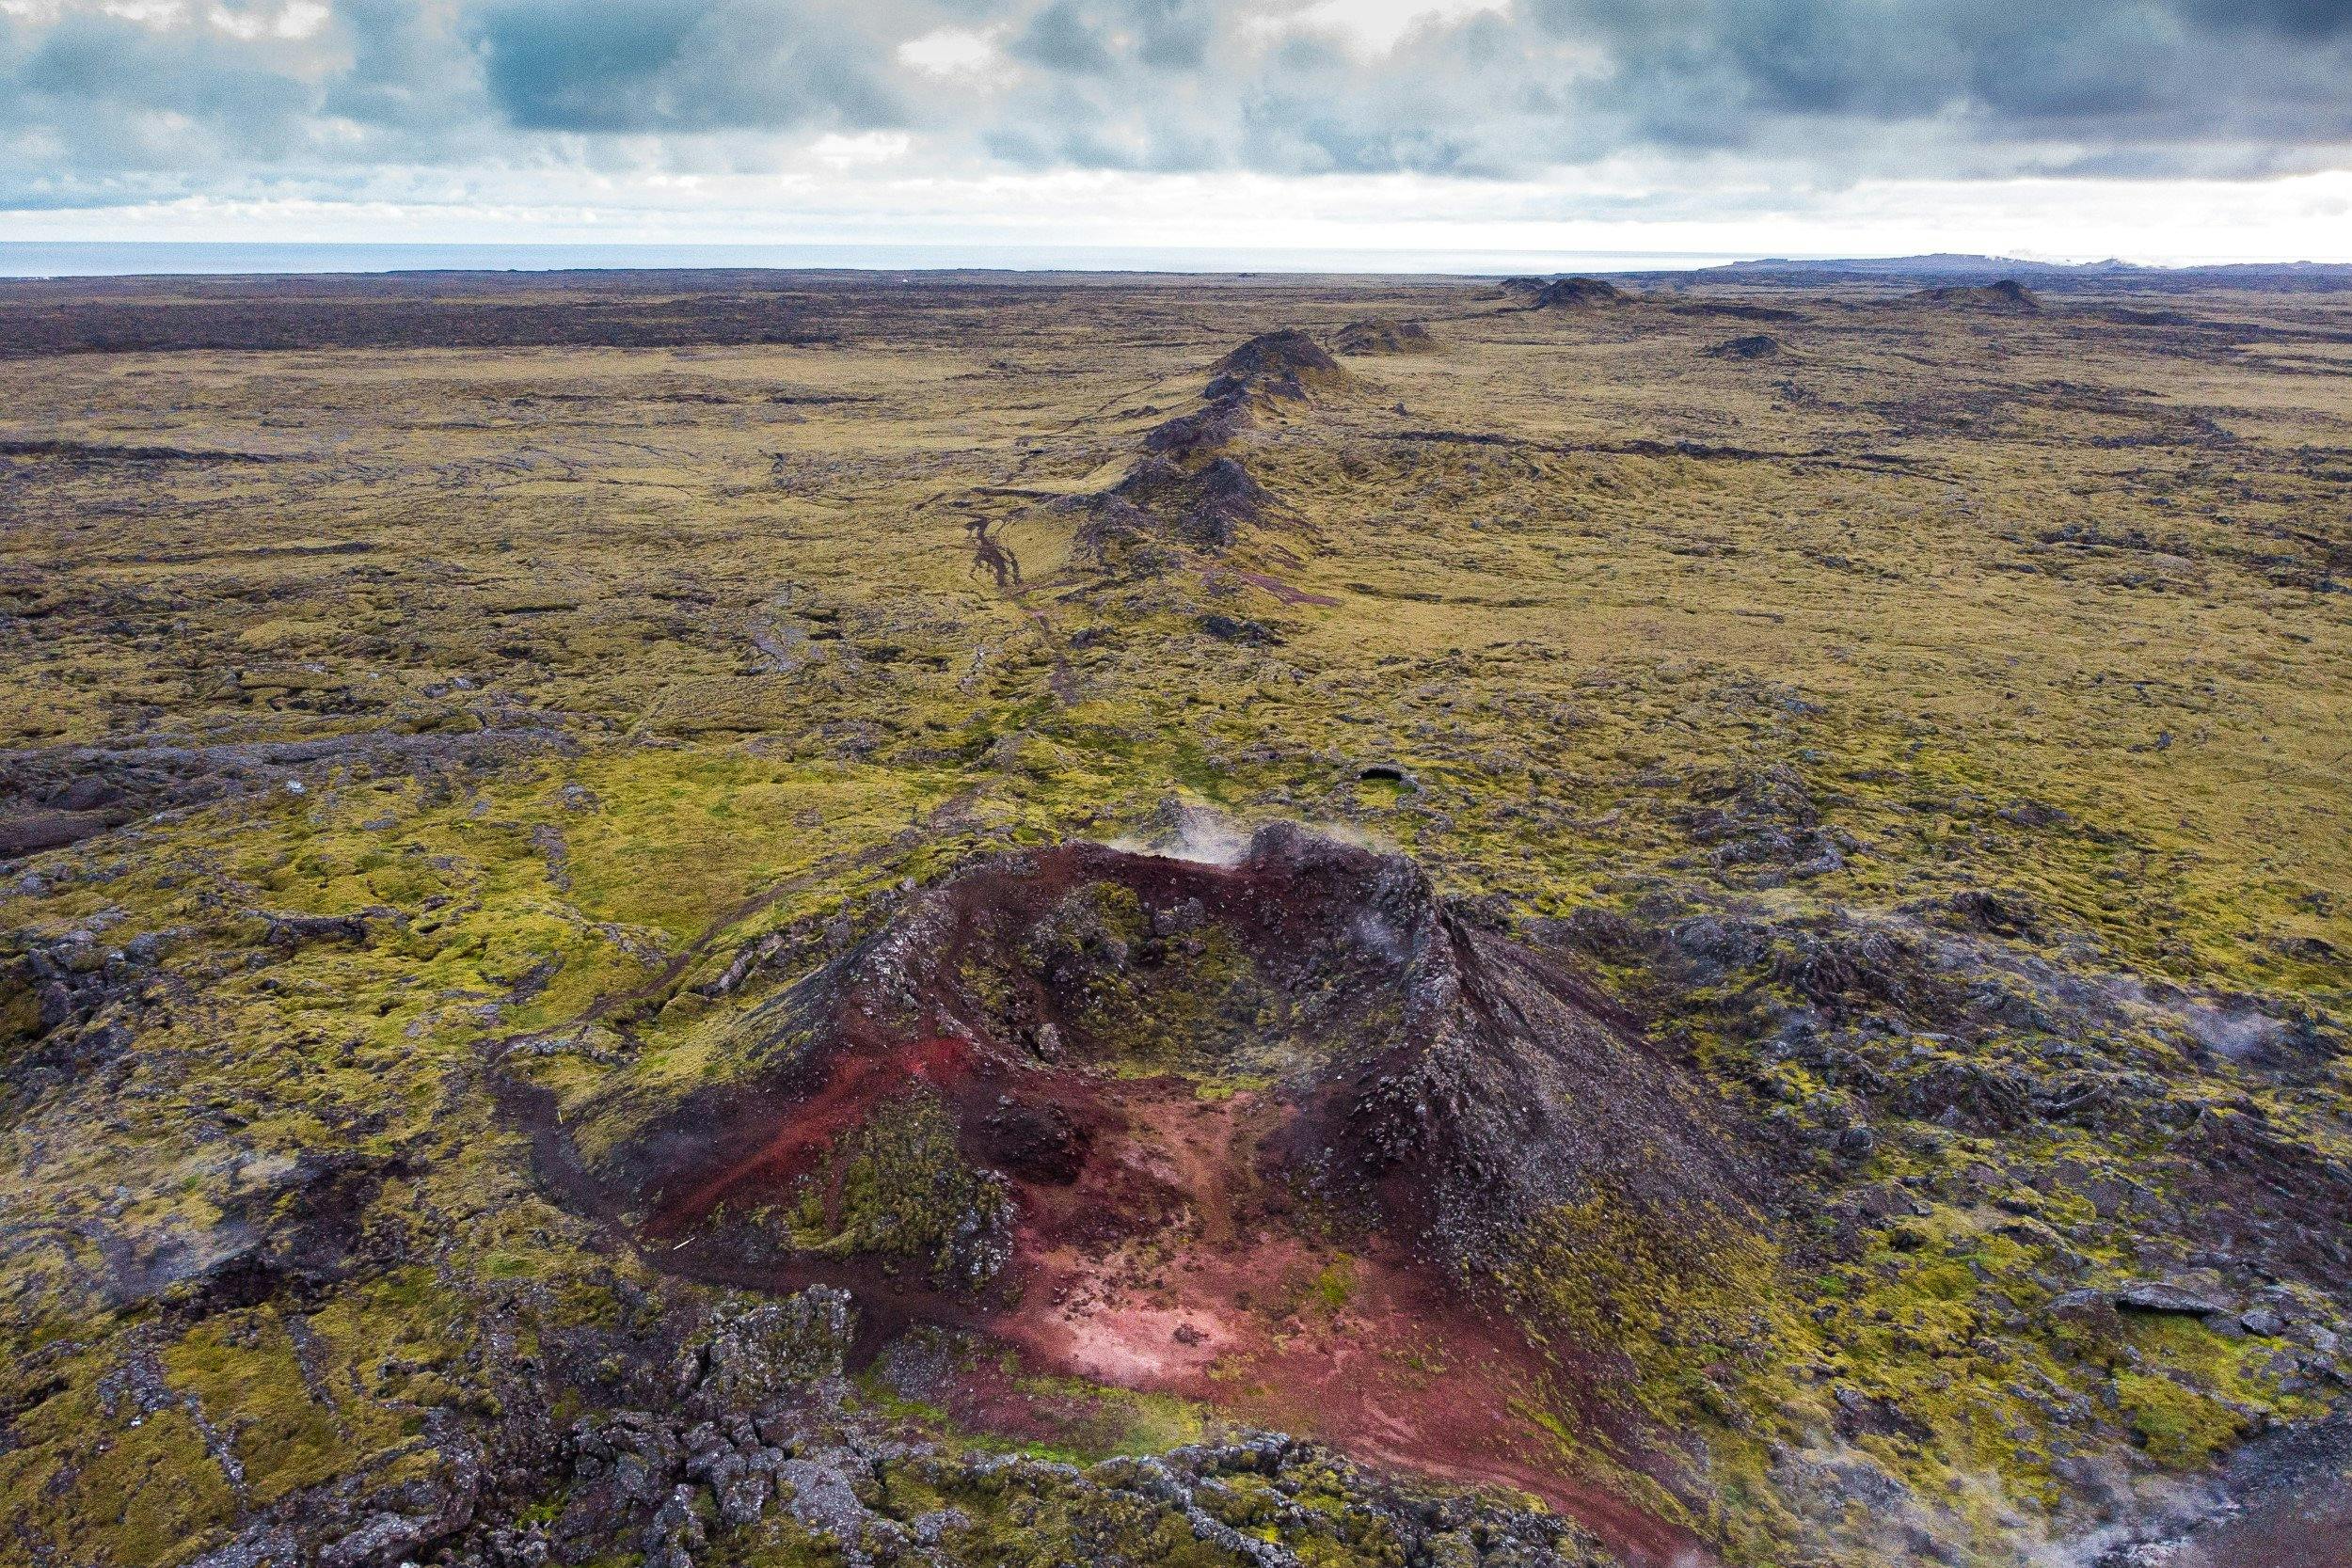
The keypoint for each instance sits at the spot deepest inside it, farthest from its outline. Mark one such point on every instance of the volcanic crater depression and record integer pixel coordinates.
(1259, 1128)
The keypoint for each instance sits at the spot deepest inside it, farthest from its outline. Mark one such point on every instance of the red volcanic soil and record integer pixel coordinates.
(1289, 1254)
(1172, 1265)
(855, 1086)
(1219, 1299)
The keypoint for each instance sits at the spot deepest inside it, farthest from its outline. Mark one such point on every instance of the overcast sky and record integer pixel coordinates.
(2163, 129)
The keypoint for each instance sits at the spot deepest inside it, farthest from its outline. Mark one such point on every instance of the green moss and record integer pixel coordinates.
(247, 1380)
(1335, 1287)
(2180, 1427)
(1685, 1302)
(146, 1489)
(896, 1186)
(151, 1494)
(1197, 1005)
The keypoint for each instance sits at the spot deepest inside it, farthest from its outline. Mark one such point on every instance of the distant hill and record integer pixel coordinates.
(1947, 269)
(1578, 293)
(2008, 296)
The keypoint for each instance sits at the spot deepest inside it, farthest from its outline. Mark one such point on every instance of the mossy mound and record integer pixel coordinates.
(1205, 507)
(1190, 493)
(2008, 297)
(1579, 293)
(1382, 335)
(1755, 345)
(1287, 364)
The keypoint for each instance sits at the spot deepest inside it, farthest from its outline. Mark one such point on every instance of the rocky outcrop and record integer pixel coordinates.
(1755, 345)
(1381, 335)
(2006, 297)
(52, 797)
(1189, 493)
(1579, 293)
(1203, 508)
(1287, 365)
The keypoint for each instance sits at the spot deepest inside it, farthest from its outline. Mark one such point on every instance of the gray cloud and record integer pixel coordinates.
(681, 65)
(2123, 72)
(2303, 19)
(91, 102)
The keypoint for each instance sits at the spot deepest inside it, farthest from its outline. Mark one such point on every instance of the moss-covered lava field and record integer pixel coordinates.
(760, 919)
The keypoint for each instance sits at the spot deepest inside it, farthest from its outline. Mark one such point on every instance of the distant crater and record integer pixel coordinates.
(1579, 293)
(2006, 297)
(1383, 336)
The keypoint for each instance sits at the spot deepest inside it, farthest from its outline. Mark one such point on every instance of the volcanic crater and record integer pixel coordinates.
(1257, 1125)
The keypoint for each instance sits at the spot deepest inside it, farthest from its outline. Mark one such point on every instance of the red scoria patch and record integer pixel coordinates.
(1206, 1289)
(855, 1086)
(1172, 1265)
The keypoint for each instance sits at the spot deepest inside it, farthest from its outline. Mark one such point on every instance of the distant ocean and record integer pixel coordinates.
(125, 259)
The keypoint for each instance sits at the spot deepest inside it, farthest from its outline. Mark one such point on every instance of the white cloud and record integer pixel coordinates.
(293, 19)
(950, 52)
(1373, 26)
(865, 150)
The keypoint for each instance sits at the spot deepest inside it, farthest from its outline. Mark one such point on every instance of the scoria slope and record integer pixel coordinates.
(1122, 1110)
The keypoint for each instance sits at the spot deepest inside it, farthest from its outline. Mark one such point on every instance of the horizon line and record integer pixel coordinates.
(68, 258)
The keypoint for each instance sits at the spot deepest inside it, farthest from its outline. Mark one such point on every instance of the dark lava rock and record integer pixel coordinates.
(1579, 293)
(1762, 828)
(52, 797)
(1286, 364)
(1188, 493)
(73, 1003)
(2007, 296)
(1204, 430)
(301, 930)
(2146, 1295)
(29, 832)
(1968, 1095)
(1205, 508)
(287, 1238)
(1756, 345)
(1229, 629)
(1035, 1143)
(1383, 336)
(1738, 310)
(2003, 913)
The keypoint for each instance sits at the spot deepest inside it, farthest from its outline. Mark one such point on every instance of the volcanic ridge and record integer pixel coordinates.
(1189, 491)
